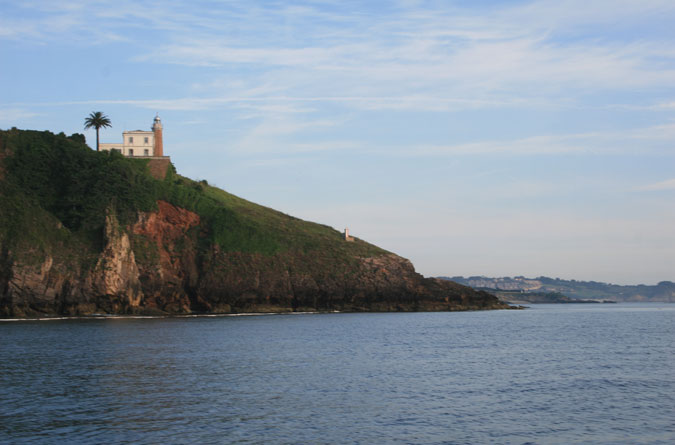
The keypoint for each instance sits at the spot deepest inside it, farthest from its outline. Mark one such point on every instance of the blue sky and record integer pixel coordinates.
(472, 137)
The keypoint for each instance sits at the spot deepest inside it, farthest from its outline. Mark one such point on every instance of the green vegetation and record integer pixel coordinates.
(72, 182)
(96, 120)
(55, 187)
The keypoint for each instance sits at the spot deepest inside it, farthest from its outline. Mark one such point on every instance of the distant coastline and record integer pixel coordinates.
(554, 290)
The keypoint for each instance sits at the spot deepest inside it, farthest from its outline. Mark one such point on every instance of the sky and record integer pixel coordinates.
(495, 138)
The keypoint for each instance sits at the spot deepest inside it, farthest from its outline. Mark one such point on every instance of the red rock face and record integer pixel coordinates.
(165, 281)
(168, 224)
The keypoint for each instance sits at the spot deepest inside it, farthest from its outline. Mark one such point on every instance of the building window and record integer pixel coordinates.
(131, 152)
(117, 150)
(131, 140)
(146, 152)
(146, 140)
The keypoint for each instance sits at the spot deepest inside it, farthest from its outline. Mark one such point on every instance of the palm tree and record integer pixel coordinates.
(96, 120)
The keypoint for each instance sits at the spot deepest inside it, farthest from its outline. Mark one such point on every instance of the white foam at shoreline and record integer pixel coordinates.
(133, 317)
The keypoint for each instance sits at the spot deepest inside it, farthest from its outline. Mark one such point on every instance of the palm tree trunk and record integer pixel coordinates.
(97, 139)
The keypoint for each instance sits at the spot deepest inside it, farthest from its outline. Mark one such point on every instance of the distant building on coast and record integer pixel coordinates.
(144, 145)
(139, 143)
(346, 235)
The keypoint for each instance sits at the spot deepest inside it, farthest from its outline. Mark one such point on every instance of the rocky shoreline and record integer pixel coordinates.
(112, 239)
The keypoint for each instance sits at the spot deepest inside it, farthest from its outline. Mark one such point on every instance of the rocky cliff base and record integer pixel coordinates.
(175, 278)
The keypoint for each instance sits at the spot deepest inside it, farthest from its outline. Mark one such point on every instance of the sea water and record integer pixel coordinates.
(592, 373)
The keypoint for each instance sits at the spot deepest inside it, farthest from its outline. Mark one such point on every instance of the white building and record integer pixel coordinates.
(140, 143)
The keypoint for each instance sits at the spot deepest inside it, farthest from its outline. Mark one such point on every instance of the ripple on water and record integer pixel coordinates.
(551, 374)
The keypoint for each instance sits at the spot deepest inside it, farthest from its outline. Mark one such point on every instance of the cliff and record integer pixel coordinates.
(83, 232)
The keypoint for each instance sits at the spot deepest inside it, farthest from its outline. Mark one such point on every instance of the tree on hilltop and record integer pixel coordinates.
(96, 120)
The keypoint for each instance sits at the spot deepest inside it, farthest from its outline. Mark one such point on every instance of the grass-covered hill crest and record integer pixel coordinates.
(76, 185)
(93, 232)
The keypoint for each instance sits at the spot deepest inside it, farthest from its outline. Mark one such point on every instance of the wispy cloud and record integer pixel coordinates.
(266, 104)
(550, 144)
(413, 56)
(652, 139)
(477, 73)
(668, 184)
(447, 55)
(276, 135)
(12, 115)
(564, 14)
(664, 106)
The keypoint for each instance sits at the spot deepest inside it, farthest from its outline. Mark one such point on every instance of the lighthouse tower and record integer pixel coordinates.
(157, 130)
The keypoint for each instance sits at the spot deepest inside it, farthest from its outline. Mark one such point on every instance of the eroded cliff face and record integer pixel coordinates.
(160, 265)
(116, 272)
(168, 239)
(66, 281)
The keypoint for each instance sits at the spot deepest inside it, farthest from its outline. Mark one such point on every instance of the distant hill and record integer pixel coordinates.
(85, 232)
(590, 290)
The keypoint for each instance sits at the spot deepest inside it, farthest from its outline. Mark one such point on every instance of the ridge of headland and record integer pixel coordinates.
(85, 232)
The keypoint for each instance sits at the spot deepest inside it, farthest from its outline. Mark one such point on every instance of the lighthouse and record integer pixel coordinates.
(157, 131)
(144, 144)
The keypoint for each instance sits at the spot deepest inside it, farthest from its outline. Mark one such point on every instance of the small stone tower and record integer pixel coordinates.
(346, 235)
(157, 130)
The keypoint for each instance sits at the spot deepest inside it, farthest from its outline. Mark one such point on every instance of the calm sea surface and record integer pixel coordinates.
(550, 374)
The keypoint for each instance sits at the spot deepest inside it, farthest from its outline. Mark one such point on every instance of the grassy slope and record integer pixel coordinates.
(54, 191)
(288, 232)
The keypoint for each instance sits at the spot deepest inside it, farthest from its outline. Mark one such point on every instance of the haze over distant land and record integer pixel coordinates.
(664, 291)
(474, 138)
